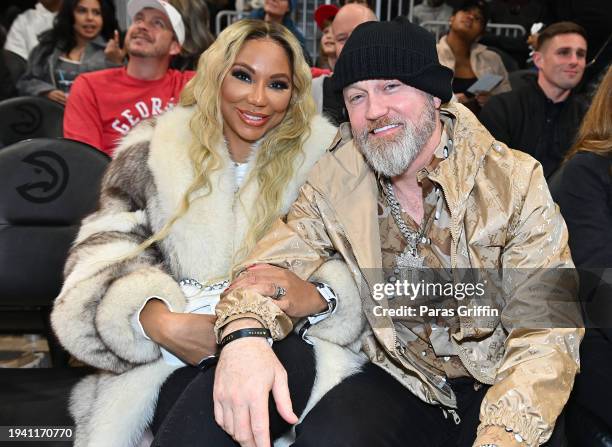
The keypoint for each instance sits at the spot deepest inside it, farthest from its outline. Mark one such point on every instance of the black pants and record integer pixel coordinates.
(589, 422)
(593, 387)
(185, 415)
(368, 409)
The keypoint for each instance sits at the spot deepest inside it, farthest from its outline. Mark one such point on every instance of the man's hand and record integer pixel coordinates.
(113, 51)
(57, 96)
(247, 371)
(188, 336)
(498, 436)
(302, 298)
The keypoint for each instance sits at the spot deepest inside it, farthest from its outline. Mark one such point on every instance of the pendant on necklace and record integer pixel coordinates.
(408, 259)
(410, 265)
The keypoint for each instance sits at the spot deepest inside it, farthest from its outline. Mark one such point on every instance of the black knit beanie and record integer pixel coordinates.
(393, 50)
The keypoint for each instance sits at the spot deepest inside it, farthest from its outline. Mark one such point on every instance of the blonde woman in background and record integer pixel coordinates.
(185, 197)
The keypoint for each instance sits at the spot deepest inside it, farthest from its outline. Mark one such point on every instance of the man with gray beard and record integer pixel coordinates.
(422, 184)
(392, 156)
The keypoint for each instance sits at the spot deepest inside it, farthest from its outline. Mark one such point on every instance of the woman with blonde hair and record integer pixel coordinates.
(583, 190)
(186, 196)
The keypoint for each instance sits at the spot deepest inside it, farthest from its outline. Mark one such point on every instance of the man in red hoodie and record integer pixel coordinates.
(104, 105)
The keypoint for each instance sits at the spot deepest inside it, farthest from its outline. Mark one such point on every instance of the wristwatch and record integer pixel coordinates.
(327, 293)
(329, 296)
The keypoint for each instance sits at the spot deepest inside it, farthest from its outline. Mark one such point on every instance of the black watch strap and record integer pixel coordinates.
(207, 362)
(247, 332)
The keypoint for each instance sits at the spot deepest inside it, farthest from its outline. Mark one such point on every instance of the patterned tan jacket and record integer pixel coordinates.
(502, 218)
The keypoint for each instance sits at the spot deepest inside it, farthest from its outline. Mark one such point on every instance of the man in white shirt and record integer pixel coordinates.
(23, 35)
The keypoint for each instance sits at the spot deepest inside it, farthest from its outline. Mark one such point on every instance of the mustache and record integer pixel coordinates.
(384, 121)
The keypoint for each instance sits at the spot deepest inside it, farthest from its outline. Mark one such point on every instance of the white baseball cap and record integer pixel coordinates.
(135, 6)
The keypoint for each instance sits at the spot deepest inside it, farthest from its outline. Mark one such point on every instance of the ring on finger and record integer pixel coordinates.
(279, 293)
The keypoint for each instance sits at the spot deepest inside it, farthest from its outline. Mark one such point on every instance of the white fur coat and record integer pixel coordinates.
(102, 292)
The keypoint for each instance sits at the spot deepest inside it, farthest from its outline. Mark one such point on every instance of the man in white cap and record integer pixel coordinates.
(103, 106)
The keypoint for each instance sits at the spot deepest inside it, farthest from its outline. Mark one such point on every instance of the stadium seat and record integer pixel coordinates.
(29, 117)
(48, 186)
(15, 64)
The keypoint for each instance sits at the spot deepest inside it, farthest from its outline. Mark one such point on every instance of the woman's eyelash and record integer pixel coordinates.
(241, 75)
(244, 76)
(279, 85)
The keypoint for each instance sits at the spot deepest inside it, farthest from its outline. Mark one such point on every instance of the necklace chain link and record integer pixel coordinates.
(411, 236)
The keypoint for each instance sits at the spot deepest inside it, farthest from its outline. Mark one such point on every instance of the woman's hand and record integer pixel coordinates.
(188, 336)
(301, 300)
(113, 51)
(57, 96)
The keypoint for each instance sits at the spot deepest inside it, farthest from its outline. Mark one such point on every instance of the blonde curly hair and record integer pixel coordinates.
(278, 149)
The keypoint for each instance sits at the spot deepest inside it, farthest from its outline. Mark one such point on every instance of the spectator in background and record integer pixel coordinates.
(279, 11)
(76, 44)
(104, 105)
(542, 117)
(23, 35)
(595, 16)
(583, 190)
(461, 52)
(324, 16)
(329, 102)
(432, 10)
(198, 37)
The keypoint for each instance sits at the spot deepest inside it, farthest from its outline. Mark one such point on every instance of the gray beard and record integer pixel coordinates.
(392, 156)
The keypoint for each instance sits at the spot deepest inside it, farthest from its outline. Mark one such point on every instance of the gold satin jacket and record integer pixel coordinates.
(503, 217)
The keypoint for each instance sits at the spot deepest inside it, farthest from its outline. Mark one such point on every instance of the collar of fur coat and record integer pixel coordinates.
(201, 245)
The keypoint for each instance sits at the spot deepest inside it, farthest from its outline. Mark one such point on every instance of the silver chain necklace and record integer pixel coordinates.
(410, 257)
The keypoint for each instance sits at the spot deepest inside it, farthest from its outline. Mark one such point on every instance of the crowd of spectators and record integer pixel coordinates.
(61, 42)
(75, 44)
(110, 80)
(145, 87)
